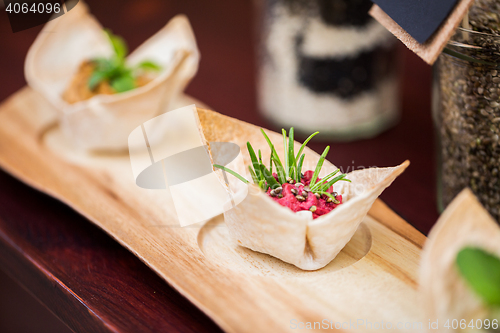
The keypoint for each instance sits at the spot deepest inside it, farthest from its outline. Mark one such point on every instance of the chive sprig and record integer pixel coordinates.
(290, 170)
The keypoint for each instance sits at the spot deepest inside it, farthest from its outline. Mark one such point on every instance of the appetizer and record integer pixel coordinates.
(109, 75)
(303, 218)
(288, 186)
(460, 268)
(101, 94)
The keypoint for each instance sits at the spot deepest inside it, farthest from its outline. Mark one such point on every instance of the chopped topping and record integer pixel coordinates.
(300, 198)
(295, 185)
(323, 205)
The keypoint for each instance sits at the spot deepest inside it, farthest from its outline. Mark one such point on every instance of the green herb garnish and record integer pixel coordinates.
(481, 271)
(115, 70)
(233, 173)
(290, 170)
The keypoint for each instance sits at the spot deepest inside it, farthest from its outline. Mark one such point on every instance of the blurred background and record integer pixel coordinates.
(228, 35)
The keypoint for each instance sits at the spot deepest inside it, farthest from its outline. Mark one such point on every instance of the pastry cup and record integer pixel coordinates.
(261, 224)
(104, 122)
(446, 295)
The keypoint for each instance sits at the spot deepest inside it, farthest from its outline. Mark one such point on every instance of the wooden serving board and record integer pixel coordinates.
(372, 280)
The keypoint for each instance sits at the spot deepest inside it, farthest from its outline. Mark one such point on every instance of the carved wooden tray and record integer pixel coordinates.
(372, 280)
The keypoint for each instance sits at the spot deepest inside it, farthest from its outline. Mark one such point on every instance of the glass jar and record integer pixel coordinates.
(327, 66)
(466, 111)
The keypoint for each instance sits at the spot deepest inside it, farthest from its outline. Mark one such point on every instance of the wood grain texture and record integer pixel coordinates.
(227, 82)
(84, 277)
(430, 50)
(241, 293)
(113, 292)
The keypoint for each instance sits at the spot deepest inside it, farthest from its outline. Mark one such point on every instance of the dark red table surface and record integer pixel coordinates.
(91, 282)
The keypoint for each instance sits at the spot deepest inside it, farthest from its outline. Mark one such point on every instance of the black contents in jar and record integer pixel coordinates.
(331, 58)
(468, 81)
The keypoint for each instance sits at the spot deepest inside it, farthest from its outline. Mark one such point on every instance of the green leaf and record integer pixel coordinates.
(279, 169)
(271, 163)
(325, 179)
(149, 65)
(299, 167)
(251, 152)
(103, 64)
(305, 143)
(120, 70)
(96, 78)
(232, 173)
(271, 146)
(119, 45)
(325, 187)
(481, 270)
(285, 150)
(123, 83)
(291, 173)
(291, 157)
(255, 162)
(115, 70)
(254, 176)
(319, 166)
(269, 177)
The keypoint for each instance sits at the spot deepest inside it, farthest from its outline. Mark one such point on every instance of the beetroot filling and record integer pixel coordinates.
(289, 200)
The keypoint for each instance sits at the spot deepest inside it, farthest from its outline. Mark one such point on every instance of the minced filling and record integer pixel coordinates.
(298, 197)
(78, 90)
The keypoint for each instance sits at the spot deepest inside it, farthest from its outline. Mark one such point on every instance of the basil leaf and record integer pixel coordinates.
(481, 270)
(148, 65)
(119, 45)
(123, 83)
(103, 64)
(96, 78)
